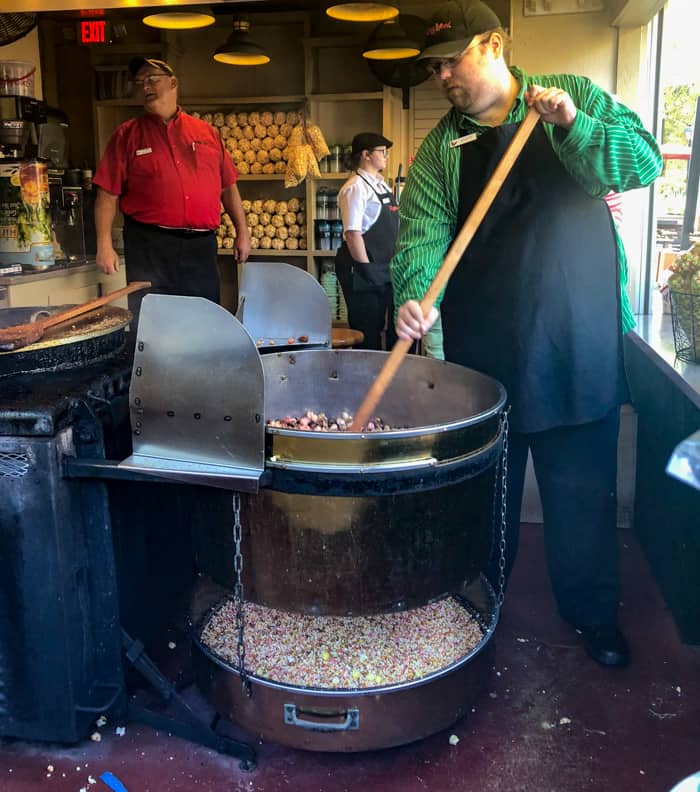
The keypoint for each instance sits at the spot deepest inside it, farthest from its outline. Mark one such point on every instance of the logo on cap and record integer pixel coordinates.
(437, 27)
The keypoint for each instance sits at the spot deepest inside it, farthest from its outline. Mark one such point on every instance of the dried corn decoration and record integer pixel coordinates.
(306, 147)
(273, 225)
(257, 142)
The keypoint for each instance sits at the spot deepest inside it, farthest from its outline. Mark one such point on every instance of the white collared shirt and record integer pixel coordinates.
(358, 202)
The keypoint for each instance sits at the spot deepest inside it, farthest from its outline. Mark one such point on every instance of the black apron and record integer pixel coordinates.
(535, 300)
(380, 243)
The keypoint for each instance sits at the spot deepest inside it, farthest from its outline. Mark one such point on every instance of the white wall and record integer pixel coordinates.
(583, 44)
(26, 49)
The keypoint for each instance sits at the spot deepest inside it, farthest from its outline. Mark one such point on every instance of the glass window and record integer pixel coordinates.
(676, 190)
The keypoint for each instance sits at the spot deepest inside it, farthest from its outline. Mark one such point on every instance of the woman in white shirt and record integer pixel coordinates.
(370, 224)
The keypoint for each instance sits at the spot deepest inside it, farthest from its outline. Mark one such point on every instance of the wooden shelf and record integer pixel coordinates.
(359, 96)
(219, 101)
(342, 176)
(261, 177)
(268, 252)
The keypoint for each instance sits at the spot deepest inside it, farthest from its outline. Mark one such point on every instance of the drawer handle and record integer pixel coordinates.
(351, 722)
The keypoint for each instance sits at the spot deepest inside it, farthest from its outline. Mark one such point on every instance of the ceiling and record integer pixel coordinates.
(218, 6)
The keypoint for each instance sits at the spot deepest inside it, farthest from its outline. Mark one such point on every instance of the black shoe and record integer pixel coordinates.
(606, 644)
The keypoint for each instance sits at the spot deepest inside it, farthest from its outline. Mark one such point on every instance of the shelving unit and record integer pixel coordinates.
(308, 72)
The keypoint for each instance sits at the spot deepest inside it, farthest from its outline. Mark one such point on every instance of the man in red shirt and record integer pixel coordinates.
(168, 173)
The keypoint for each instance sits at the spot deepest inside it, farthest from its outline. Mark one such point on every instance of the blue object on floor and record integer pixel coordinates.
(113, 782)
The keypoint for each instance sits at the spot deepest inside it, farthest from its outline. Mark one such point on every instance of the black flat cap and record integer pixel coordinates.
(369, 140)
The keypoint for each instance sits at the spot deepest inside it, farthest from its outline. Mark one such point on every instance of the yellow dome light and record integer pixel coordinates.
(239, 50)
(180, 20)
(396, 39)
(362, 12)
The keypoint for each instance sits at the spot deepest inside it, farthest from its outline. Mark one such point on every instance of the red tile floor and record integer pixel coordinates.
(550, 720)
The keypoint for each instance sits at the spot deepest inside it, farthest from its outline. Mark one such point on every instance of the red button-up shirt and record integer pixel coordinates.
(167, 174)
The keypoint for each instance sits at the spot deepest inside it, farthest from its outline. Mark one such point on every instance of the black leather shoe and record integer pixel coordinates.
(606, 644)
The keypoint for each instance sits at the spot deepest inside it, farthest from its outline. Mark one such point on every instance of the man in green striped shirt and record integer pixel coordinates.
(537, 300)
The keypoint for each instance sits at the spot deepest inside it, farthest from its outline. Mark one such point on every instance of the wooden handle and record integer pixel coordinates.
(77, 310)
(450, 262)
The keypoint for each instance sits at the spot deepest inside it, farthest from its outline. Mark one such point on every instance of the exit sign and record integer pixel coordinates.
(93, 31)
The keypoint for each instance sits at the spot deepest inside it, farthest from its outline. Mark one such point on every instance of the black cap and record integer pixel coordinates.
(369, 140)
(136, 64)
(453, 26)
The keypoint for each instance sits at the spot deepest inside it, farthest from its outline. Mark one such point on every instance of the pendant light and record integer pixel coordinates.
(362, 11)
(195, 17)
(239, 50)
(393, 40)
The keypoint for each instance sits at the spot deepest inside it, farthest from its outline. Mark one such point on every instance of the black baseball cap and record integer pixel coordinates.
(369, 140)
(136, 64)
(453, 26)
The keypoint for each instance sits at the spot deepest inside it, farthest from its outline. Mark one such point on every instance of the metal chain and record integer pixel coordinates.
(238, 592)
(504, 496)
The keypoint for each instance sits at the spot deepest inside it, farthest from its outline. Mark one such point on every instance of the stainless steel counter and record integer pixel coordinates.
(58, 271)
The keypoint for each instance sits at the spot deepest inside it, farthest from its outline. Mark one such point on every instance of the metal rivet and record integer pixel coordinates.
(140, 346)
(138, 371)
(170, 413)
(197, 416)
(137, 432)
(137, 401)
(292, 360)
(258, 417)
(139, 424)
(334, 375)
(227, 418)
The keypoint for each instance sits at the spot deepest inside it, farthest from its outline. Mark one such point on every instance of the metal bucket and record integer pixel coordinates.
(353, 523)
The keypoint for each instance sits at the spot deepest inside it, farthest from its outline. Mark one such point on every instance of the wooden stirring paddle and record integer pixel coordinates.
(452, 259)
(22, 335)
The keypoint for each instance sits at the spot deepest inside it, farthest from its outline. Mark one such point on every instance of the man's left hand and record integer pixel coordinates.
(553, 104)
(241, 248)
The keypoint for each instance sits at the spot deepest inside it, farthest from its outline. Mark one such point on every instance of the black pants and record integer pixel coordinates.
(576, 470)
(175, 264)
(368, 311)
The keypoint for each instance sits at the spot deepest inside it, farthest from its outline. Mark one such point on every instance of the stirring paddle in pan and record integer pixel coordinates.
(22, 335)
(452, 259)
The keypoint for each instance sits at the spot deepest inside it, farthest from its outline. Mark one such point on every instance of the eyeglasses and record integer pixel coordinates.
(150, 79)
(382, 151)
(436, 65)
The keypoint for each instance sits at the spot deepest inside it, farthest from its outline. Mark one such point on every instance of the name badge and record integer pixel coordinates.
(385, 200)
(141, 152)
(460, 141)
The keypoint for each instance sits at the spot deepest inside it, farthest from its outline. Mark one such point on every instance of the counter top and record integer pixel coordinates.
(655, 333)
(58, 271)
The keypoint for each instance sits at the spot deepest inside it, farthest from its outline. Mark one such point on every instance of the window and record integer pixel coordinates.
(675, 192)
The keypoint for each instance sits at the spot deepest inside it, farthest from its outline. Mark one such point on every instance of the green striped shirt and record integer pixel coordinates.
(607, 148)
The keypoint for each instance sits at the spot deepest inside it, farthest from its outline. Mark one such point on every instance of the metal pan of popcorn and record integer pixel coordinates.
(349, 684)
(363, 522)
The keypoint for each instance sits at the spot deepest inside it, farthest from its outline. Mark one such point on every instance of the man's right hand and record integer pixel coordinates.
(410, 322)
(107, 260)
